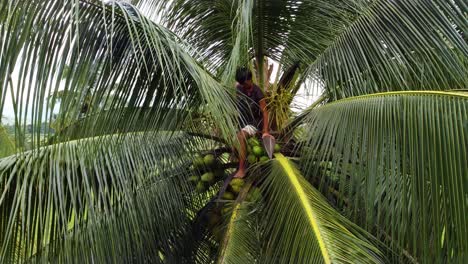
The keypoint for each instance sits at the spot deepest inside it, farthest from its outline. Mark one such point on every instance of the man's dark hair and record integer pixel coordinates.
(243, 74)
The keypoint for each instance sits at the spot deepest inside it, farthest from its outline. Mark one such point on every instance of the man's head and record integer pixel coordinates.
(244, 77)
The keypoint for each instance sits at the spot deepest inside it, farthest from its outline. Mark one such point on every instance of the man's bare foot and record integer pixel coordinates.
(240, 174)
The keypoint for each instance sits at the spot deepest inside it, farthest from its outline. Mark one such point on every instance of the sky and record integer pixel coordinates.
(8, 109)
(8, 113)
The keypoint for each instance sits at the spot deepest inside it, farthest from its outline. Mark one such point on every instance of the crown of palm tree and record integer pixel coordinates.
(375, 171)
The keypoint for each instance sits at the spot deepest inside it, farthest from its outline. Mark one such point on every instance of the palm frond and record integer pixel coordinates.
(114, 198)
(196, 246)
(241, 242)
(394, 46)
(103, 56)
(107, 121)
(203, 24)
(285, 30)
(299, 120)
(303, 227)
(396, 165)
(294, 30)
(353, 48)
(239, 55)
(219, 30)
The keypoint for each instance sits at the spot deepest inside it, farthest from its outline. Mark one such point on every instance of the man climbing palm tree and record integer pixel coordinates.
(253, 113)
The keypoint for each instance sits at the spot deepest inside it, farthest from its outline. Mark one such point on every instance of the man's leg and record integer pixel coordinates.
(241, 136)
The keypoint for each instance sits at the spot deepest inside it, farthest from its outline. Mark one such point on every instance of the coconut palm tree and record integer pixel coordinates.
(375, 171)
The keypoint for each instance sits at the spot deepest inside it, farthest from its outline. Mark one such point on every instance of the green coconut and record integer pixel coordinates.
(209, 160)
(251, 159)
(207, 177)
(257, 151)
(277, 148)
(228, 196)
(237, 181)
(236, 188)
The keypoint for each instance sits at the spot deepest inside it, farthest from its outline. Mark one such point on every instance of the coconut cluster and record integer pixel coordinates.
(206, 171)
(215, 216)
(256, 151)
(234, 188)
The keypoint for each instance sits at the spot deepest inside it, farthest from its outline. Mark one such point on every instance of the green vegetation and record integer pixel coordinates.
(251, 159)
(198, 161)
(124, 127)
(206, 171)
(277, 148)
(7, 146)
(207, 177)
(257, 151)
(209, 160)
(228, 196)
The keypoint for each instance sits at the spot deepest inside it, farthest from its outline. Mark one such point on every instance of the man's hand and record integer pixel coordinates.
(266, 134)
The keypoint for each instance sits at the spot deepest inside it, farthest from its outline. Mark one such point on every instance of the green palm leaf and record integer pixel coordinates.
(303, 227)
(107, 198)
(352, 48)
(397, 45)
(280, 29)
(219, 30)
(397, 163)
(241, 242)
(142, 119)
(108, 182)
(111, 57)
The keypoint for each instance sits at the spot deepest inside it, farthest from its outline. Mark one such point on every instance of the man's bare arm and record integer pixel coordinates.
(263, 107)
